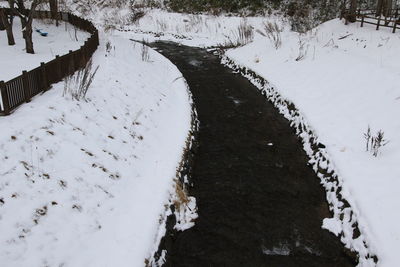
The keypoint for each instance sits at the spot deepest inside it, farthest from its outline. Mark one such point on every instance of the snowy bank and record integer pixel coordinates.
(344, 79)
(189, 29)
(84, 183)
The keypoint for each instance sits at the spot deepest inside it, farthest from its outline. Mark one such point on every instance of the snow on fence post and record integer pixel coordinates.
(4, 98)
(25, 86)
(45, 83)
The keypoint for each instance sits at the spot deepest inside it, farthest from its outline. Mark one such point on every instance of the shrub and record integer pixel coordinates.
(375, 142)
(77, 85)
(145, 52)
(273, 33)
(242, 36)
(303, 50)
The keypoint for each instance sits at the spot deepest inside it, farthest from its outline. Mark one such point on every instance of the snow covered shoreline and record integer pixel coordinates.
(84, 183)
(344, 222)
(345, 83)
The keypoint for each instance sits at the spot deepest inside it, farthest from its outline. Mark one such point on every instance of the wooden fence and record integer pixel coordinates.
(369, 17)
(30, 83)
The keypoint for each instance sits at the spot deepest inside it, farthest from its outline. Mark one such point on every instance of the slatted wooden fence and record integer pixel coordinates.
(30, 83)
(368, 17)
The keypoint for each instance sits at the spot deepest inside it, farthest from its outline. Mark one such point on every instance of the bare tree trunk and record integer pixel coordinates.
(387, 8)
(2, 26)
(7, 21)
(54, 10)
(379, 7)
(26, 23)
(352, 12)
(27, 33)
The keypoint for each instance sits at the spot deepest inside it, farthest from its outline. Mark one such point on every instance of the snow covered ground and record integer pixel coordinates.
(58, 42)
(342, 79)
(84, 183)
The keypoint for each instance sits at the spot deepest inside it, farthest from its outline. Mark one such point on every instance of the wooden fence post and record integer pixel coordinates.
(4, 98)
(362, 20)
(84, 54)
(394, 25)
(45, 82)
(379, 22)
(96, 35)
(25, 85)
(58, 71)
(71, 65)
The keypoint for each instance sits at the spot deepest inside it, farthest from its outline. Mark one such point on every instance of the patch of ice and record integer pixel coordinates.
(281, 250)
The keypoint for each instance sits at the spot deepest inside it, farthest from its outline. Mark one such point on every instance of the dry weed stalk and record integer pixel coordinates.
(77, 85)
(273, 33)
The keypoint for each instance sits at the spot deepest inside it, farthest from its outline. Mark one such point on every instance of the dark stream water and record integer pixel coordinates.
(259, 203)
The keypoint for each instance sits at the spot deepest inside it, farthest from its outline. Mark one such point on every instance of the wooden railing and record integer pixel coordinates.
(30, 83)
(392, 20)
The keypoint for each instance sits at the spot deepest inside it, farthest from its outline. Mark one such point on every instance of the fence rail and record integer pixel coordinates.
(392, 20)
(30, 83)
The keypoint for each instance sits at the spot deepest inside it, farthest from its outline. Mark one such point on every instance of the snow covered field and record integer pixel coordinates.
(58, 42)
(342, 79)
(84, 183)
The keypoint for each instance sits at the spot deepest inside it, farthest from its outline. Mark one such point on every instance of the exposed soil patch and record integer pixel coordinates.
(259, 203)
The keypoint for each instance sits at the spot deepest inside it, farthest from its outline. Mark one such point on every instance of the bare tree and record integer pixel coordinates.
(387, 8)
(54, 10)
(26, 15)
(6, 20)
(2, 26)
(379, 7)
(352, 12)
(384, 7)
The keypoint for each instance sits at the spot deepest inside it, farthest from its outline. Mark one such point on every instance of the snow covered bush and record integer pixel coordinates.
(300, 17)
(303, 50)
(145, 52)
(240, 37)
(77, 85)
(136, 15)
(375, 142)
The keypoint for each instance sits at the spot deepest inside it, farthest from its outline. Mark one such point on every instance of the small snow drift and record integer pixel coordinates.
(83, 183)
